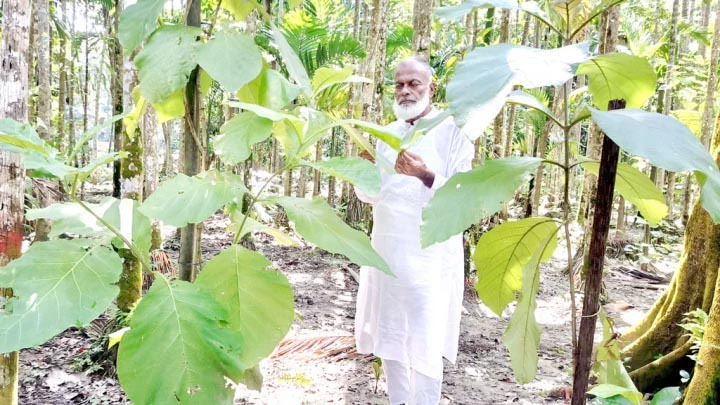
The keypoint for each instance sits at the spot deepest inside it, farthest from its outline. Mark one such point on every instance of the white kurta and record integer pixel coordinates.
(414, 317)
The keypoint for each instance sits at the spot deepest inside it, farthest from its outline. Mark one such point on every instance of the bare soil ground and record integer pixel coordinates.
(325, 292)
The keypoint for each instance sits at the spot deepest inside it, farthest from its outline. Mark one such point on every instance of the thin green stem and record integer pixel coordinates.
(111, 228)
(552, 162)
(566, 217)
(256, 196)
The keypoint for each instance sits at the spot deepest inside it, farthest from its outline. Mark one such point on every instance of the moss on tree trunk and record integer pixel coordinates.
(693, 286)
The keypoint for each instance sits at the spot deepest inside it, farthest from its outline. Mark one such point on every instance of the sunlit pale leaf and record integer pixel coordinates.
(270, 89)
(481, 192)
(56, 285)
(619, 76)
(292, 62)
(325, 77)
(502, 253)
(259, 302)
(638, 189)
(491, 72)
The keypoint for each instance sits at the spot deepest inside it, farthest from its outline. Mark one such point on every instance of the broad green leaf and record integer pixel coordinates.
(264, 112)
(21, 136)
(325, 77)
(661, 139)
(186, 200)
(165, 63)
(379, 131)
(319, 224)
(252, 225)
(609, 390)
(43, 166)
(454, 13)
(527, 100)
(491, 72)
(56, 285)
(239, 134)
(293, 64)
(423, 126)
(240, 9)
(70, 218)
(619, 76)
(288, 132)
(358, 171)
(666, 396)
(522, 335)
(171, 107)
(638, 189)
(502, 253)
(270, 89)
(318, 124)
(230, 58)
(481, 192)
(180, 332)
(137, 21)
(130, 122)
(259, 302)
(666, 143)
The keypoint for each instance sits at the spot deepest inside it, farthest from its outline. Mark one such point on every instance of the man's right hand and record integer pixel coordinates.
(366, 155)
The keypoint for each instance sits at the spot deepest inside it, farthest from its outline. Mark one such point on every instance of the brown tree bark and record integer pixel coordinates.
(116, 80)
(422, 23)
(13, 104)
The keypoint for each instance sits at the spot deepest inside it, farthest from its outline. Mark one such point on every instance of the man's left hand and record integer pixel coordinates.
(411, 164)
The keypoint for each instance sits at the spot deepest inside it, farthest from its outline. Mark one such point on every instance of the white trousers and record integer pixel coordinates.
(409, 387)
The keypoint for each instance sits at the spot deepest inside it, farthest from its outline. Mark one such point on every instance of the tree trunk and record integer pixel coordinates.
(620, 224)
(331, 179)
(167, 128)
(189, 259)
(594, 265)
(43, 61)
(116, 91)
(316, 173)
(709, 111)
(692, 287)
(13, 104)
(422, 23)
(499, 123)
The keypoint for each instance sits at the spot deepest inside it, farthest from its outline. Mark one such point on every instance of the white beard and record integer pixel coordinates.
(411, 111)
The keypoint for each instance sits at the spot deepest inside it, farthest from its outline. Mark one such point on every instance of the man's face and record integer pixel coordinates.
(411, 83)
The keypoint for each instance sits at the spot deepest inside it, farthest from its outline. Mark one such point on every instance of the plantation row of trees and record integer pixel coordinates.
(565, 102)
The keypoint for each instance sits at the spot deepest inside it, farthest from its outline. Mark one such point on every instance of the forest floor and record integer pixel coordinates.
(325, 291)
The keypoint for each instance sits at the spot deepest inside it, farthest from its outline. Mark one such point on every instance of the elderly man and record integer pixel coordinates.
(411, 321)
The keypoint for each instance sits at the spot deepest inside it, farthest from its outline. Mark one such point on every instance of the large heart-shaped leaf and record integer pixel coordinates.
(240, 9)
(491, 72)
(230, 58)
(181, 335)
(186, 200)
(259, 302)
(137, 21)
(165, 63)
(239, 134)
(638, 189)
(666, 143)
(325, 77)
(502, 253)
(56, 285)
(481, 192)
(522, 335)
(619, 76)
(454, 13)
(270, 89)
(72, 219)
(358, 171)
(319, 224)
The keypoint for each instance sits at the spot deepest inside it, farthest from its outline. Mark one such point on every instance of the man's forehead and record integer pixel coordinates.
(411, 69)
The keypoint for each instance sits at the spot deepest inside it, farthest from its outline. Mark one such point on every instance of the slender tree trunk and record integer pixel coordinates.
(43, 61)
(13, 104)
(167, 128)
(192, 163)
(704, 23)
(62, 84)
(316, 173)
(687, 195)
(499, 123)
(422, 23)
(71, 85)
(116, 92)
(709, 111)
(594, 265)
(331, 179)
(620, 224)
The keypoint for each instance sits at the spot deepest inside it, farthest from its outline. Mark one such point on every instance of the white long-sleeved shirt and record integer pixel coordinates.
(414, 317)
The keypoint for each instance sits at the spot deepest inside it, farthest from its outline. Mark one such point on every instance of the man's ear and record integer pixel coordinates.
(432, 89)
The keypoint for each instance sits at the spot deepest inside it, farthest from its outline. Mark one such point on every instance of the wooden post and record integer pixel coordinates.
(594, 269)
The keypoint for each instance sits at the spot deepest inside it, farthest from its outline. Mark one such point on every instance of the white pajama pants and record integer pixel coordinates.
(409, 387)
